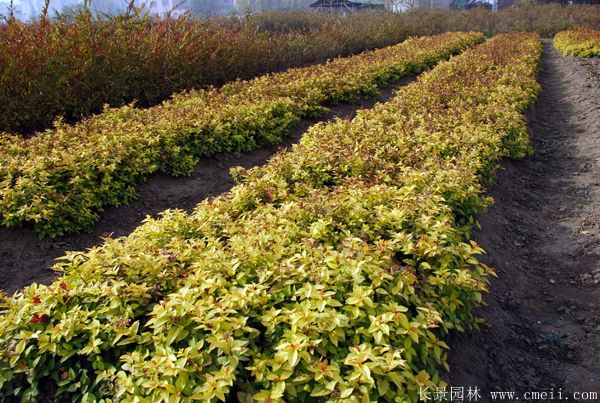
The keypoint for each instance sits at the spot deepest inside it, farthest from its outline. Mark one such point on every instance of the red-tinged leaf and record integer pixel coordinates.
(39, 319)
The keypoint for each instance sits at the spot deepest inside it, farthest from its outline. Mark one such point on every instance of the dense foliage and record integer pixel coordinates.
(72, 66)
(330, 273)
(60, 179)
(582, 42)
(545, 19)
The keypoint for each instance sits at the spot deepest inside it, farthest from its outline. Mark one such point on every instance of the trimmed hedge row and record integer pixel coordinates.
(61, 179)
(582, 42)
(331, 273)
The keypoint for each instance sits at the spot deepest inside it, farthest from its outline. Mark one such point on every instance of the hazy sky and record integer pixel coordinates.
(27, 9)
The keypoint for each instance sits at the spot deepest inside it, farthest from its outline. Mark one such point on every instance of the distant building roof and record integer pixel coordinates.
(336, 4)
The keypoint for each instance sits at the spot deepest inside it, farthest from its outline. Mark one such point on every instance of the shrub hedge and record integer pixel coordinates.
(332, 273)
(582, 42)
(74, 65)
(61, 179)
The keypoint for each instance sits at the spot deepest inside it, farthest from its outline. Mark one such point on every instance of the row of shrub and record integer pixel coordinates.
(73, 65)
(332, 273)
(581, 41)
(61, 179)
(545, 19)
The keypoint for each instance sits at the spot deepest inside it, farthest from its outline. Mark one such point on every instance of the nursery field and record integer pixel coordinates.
(357, 233)
(389, 225)
(60, 179)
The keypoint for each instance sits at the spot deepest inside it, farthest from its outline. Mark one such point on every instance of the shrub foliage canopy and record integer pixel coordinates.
(582, 42)
(331, 273)
(61, 179)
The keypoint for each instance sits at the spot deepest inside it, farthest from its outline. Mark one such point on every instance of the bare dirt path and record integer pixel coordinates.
(25, 259)
(542, 236)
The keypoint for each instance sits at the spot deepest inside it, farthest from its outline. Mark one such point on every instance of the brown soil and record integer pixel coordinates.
(25, 259)
(542, 236)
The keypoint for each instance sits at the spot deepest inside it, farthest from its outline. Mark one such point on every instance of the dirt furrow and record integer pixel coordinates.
(542, 236)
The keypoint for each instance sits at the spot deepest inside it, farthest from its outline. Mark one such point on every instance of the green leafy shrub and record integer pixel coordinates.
(331, 273)
(61, 179)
